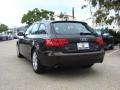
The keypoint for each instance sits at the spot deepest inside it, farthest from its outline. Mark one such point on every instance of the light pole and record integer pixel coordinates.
(73, 15)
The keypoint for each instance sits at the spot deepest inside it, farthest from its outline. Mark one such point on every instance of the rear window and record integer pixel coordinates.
(70, 28)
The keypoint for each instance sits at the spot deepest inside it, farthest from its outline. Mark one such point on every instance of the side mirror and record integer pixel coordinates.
(21, 34)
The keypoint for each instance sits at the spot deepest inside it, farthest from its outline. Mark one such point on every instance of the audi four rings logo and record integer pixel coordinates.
(83, 39)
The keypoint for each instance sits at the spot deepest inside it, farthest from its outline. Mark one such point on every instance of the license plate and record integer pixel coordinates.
(84, 45)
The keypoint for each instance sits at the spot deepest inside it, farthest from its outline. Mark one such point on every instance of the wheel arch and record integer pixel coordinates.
(17, 43)
(33, 48)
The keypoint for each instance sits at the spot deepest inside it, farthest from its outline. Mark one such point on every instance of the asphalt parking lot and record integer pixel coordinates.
(17, 74)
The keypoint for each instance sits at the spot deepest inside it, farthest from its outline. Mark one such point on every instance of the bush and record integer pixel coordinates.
(116, 35)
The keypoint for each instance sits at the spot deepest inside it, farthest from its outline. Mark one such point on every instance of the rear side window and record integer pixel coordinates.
(69, 28)
(29, 29)
(35, 29)
(98, 32)
(42, 29)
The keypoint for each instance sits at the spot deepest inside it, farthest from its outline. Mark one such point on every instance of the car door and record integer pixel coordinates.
(29, 39)
(22, 41)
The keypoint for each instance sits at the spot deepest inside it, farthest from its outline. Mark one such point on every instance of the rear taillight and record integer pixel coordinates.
(56, 42)
(99, 41)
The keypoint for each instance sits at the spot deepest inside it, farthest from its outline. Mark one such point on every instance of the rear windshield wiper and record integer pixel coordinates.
(82, 33)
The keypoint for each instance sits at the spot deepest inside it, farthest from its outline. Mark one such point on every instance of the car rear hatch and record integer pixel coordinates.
(78, 41)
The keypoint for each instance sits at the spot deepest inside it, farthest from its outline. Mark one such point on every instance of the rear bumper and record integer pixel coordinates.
(69, 59)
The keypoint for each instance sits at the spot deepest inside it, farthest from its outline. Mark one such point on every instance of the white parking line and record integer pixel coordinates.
(108, 54)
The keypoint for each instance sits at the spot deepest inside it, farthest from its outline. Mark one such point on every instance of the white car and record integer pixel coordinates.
(10, 37)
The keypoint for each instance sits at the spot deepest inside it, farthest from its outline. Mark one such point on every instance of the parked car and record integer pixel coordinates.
(3, 37)
(10, 37)
(15, 36)
(107, 37)
(59, 44)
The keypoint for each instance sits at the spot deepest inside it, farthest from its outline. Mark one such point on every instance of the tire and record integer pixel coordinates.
(112, 47)
(37, 67)
(18, 51)
(87, 65)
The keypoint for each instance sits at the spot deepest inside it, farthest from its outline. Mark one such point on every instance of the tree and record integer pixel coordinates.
(64, 16)
(61, 16)
(116, 35)
(3, 28)
(36, 15)
(107, 11)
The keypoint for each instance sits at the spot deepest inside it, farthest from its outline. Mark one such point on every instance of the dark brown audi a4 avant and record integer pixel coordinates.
(60, 43)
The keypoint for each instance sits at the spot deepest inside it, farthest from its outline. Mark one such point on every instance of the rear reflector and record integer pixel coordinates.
(56, 42)
(99, 41)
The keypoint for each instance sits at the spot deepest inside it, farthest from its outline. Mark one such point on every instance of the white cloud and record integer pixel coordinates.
(11, 11)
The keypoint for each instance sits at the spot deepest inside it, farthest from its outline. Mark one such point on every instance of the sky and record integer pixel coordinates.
(11, 11)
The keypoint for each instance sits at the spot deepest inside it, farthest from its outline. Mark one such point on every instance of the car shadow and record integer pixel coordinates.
(71, 72)
(66, 72)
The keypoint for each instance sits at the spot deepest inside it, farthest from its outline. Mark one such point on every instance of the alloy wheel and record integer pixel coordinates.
(35, 61)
